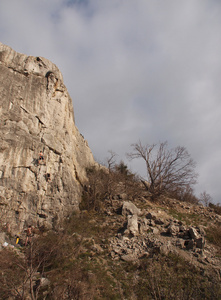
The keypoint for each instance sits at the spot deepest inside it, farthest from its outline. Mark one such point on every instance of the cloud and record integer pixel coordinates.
(145, 70)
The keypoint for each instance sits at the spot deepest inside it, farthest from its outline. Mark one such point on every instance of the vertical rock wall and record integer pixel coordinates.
(36, 114)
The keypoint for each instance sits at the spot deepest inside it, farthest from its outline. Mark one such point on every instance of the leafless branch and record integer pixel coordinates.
(167, 169)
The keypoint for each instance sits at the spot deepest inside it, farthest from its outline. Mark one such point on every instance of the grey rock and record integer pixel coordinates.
(166, 248)
(128, 257)
(193, 233)
(44, 282)
(36, 113)
(173, 229)
(201, 231)
(143, 225)
(129, 208)
(122, 196)
(154, 230)
(180, 243)
(132, 226)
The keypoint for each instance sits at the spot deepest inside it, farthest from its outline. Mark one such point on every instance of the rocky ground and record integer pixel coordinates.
(157, 230)
(126, 232)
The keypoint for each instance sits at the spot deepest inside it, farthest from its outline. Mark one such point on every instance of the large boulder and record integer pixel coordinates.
(36, 113)
(129, 208)
(132, 225)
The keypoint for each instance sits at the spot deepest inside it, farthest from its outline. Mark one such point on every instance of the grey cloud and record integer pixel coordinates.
(135, 70)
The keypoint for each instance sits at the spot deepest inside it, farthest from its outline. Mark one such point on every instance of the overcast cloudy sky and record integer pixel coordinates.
(135, 69)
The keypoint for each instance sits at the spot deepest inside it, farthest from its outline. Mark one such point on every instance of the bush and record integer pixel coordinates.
(12, 276)
(216, 208)
(186, 195)
(213, 234)
(107, 184)
(171, 277)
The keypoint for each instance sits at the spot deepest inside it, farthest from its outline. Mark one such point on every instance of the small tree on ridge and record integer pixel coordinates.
(168, 170)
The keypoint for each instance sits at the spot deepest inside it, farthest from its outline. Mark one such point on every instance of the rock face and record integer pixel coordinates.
(36, 114)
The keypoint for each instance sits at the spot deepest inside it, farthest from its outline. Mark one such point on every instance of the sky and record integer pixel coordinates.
(136, 70)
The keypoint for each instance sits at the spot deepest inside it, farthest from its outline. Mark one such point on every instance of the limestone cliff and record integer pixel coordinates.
(36, 114)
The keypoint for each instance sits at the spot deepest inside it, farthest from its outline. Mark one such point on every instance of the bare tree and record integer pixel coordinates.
(205, 198)
(167, 169)
(22, 275)
(111, 160)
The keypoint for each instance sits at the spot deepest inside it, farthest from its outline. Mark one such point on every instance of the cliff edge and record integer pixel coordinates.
(36, 114)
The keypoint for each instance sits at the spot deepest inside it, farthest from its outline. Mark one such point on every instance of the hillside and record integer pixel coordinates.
(120, 246)
(73, 229)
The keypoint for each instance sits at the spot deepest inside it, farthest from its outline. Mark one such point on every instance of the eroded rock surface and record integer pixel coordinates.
(36, 113)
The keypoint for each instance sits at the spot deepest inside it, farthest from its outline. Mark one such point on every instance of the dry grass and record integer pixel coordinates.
(213, 235)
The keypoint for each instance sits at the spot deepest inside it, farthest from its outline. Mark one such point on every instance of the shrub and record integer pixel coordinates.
(216, 208)
(12, 276)
(107, 184)
(213, 234)
(171, 277)
(186, 195)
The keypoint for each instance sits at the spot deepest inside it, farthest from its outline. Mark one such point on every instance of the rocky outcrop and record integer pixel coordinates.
(36, 113)
(148, 232)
